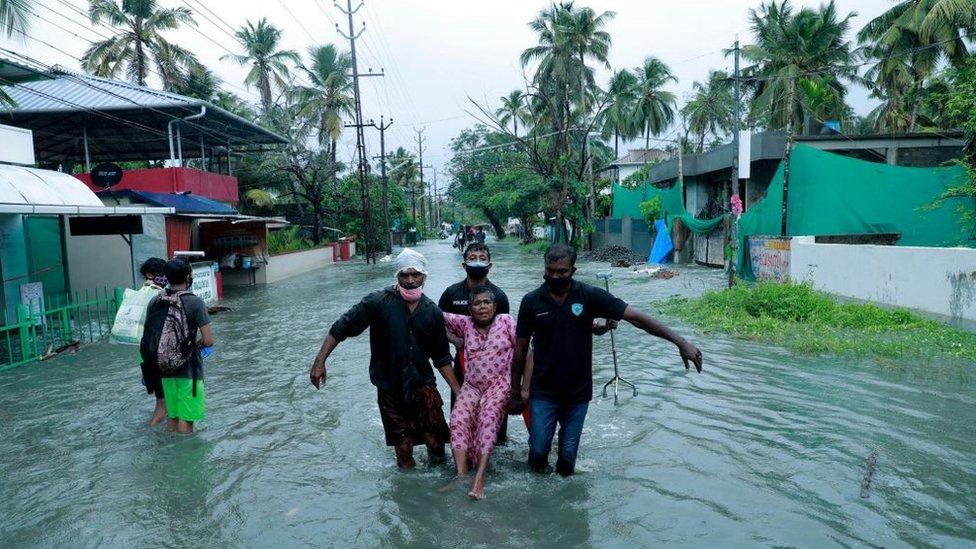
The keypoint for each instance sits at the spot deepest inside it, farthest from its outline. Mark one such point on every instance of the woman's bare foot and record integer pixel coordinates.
(184, 427)
(171, 426)
(453, 483)
(477, 488)
(159, 414)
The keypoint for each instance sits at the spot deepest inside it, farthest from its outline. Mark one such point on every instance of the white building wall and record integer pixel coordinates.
(935, 280)
(284, 266)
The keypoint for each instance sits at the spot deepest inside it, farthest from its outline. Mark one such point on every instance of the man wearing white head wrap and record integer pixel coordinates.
(406, 333)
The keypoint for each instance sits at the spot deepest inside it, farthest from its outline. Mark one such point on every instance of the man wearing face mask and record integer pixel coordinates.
(454, 300)
(406, 333)
(558, 318)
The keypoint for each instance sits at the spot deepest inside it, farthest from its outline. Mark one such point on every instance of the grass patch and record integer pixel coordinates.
(806, 321)
(537, 247)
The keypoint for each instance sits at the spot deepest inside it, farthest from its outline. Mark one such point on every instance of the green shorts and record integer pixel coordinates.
(180, 402)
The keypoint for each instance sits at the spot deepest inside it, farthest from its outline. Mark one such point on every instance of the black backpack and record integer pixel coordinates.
(167, 341)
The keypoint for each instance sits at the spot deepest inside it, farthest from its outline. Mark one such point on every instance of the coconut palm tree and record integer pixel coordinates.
(797, 50)
(139, 43)
(15, 16)
(908, 42)
(711, 109)
(329, 95)
(655, 107)
(512, 110)
(618, 117)
(584, 34)
(405, 175)
(269, 65)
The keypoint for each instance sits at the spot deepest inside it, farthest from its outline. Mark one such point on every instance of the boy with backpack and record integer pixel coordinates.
(170, 343)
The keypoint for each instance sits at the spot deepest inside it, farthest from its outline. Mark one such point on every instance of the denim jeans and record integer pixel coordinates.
(542, 428)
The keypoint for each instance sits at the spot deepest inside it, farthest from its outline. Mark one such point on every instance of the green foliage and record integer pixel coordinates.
(810, 322)
(537, 247)
(652, 209)
(286, 240)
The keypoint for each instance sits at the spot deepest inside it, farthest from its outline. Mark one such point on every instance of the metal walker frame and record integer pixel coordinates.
(616, 380)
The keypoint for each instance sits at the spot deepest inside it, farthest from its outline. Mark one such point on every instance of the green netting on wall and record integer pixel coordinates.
(830, 194)
(626, 203)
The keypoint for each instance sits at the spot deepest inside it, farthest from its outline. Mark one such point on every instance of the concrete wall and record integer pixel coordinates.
(935, 280)
(284, 266)
(107, 260)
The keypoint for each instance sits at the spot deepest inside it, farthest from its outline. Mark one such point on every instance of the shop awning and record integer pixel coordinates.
(180, 203)
(32, 191)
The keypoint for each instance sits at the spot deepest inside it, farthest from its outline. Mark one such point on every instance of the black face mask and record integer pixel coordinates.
(558, 284)
(478, 271)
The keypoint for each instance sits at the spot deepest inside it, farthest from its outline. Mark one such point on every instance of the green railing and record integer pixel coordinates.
(65, 321)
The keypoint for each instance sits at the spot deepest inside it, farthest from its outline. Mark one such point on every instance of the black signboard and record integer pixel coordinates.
(106, 175)
(94, 226)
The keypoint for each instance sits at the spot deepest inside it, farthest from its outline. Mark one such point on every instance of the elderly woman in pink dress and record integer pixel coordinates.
(489, 345)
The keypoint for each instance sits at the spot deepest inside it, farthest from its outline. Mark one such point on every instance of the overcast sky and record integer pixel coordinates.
(436, 53)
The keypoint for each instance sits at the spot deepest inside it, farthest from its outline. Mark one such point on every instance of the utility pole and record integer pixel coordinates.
(386, 183)
(423, 186)
(432, 213)
(360, 139)
(732, 232)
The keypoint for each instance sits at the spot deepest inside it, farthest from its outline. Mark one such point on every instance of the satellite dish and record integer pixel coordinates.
(106, 175)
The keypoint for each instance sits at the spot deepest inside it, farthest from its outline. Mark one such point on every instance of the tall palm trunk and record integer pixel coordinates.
(916, 103)
(265, 85)
(141, 71)
(790, 95)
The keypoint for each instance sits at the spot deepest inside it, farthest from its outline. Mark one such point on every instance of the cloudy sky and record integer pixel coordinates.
(437, 53)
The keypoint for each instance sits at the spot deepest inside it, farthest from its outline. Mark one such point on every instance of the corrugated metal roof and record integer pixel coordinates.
(641, 156)
(70, 91)
(182, 203)
(122, 121)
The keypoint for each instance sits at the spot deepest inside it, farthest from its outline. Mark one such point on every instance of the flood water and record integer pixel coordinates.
(763, 448)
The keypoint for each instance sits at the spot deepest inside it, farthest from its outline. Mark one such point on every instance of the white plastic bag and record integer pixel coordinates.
(131, 318)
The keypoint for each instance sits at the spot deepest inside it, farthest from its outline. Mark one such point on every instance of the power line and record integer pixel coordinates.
(310, 37)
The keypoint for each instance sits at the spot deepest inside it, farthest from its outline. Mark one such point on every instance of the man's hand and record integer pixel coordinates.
(524, 394)
(690, 353)
(515, 403)
(601, 328)
(317, 374)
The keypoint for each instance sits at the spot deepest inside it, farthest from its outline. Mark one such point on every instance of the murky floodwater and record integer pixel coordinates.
(762, 449)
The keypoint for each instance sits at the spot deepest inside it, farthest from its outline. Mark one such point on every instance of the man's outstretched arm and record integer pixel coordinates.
(644, 321)
(317, 375)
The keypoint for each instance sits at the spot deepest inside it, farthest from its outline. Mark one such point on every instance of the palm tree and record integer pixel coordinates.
(795, 51)
(655, 108)
(15, 16)
(513, 109)
(269, 65)
(405, 175)
(586, 38)
(328, 97)
(139, 43)
(908, 43)
(618, 117)
(711, 109)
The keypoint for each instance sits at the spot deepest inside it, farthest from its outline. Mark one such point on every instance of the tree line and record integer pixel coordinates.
(539, 150)
(304, 97)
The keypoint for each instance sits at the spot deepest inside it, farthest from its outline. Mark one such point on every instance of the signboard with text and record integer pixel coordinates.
(770, 257)
(204, 282)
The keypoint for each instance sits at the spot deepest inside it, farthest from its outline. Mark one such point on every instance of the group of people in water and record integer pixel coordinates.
(539, 366)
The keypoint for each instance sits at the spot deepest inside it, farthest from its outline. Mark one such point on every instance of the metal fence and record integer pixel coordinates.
(65, 320)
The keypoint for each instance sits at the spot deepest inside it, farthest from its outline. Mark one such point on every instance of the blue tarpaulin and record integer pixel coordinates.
(663, 246)
(182, 203)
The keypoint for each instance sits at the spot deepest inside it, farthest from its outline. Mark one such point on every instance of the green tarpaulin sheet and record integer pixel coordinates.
(626, 203)
(830, 194)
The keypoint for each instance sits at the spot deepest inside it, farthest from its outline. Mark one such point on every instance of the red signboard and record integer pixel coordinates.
(222, 188)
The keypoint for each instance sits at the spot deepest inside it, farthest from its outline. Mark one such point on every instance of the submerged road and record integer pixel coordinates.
(763, 448)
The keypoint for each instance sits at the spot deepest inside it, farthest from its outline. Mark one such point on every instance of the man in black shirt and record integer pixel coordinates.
(558, 318)
(477, 263)
(407, 332)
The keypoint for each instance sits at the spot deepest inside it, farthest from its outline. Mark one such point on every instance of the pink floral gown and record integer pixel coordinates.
(480, 407)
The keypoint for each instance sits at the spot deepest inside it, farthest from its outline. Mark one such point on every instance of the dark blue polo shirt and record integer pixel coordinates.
(562, 338)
